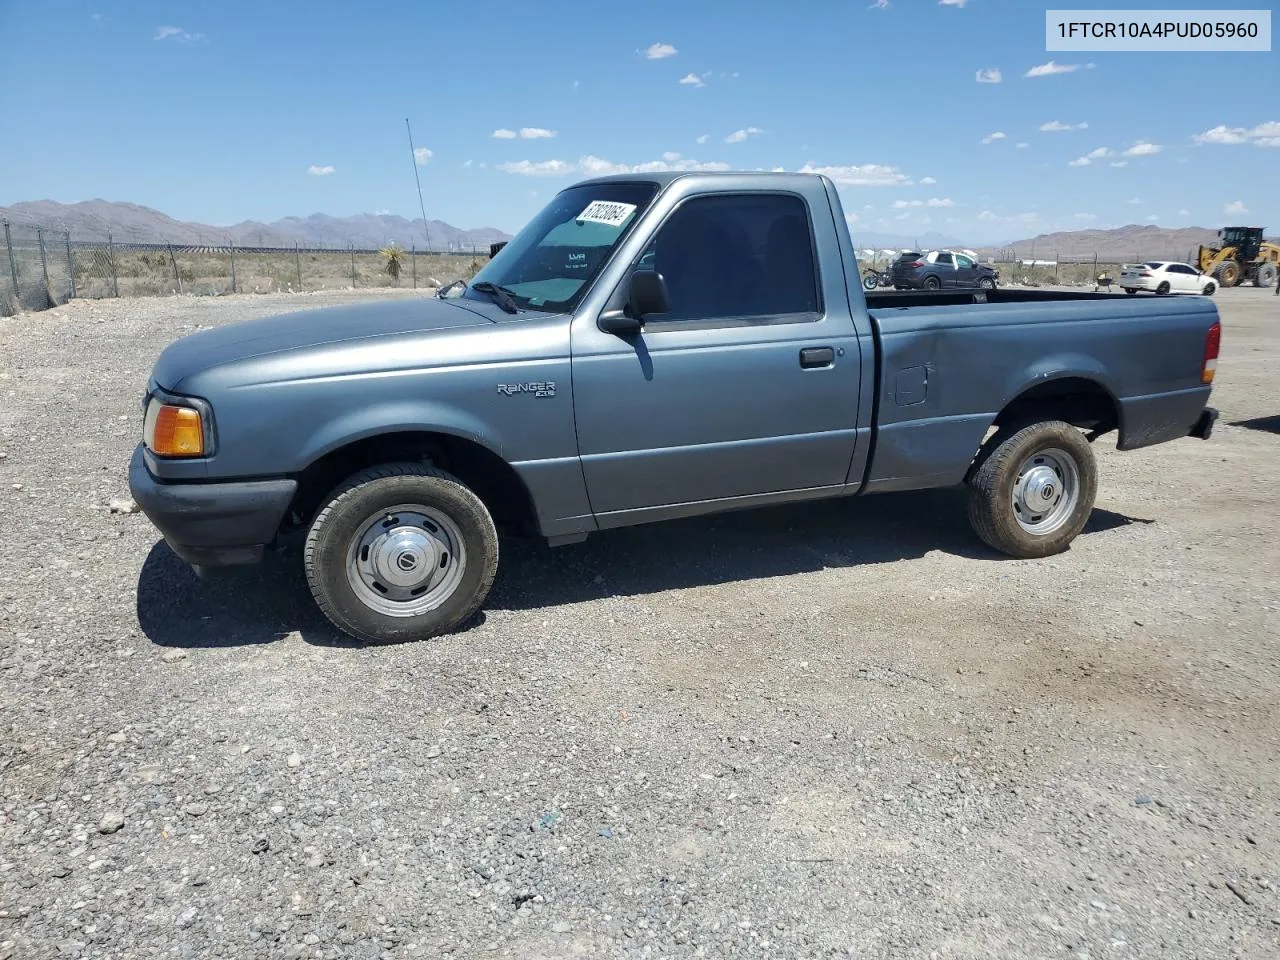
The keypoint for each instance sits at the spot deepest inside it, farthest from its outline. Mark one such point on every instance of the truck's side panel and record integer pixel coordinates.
(699, 411)
(947, 372)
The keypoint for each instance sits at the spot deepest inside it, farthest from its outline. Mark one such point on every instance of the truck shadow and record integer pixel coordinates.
(1269, 424)
(261, 604)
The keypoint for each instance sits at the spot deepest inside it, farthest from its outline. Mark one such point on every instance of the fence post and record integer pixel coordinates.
(174, 261)
(44, 266)
(352, 247)
(71, 266)
(13, 265)
(1056, 260)
(111, 262)
(233, 266)
(413, 263)
(297, 262)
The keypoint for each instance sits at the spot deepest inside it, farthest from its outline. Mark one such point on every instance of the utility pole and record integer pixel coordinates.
(413, 158)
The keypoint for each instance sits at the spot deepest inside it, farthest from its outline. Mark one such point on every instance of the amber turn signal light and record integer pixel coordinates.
(174, 431)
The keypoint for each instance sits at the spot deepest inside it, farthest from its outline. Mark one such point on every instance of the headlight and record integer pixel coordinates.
(173, 429)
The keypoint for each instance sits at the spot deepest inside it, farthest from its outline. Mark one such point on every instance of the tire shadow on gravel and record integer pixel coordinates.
(748, 545)
(261, 604)
(237, 606)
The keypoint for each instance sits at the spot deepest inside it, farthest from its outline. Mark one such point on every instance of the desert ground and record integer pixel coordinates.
(834, 730)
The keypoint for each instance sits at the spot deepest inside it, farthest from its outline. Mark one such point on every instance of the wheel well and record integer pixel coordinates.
(492, 479)
(1079, 401)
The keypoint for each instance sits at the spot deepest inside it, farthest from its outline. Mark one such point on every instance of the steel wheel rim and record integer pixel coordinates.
(1046, 489)
(406, 560)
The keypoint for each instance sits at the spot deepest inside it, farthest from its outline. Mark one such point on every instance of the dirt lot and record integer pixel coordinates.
(835, 730)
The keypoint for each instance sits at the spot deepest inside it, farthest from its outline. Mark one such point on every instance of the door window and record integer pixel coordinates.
(944, 260)
(737, 257)
(963, 262)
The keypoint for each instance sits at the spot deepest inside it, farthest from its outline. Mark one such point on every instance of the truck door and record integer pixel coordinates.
(748, 385)
(966, 271)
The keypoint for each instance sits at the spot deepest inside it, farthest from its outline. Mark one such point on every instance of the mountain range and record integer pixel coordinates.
(128, 222)
(92, 220)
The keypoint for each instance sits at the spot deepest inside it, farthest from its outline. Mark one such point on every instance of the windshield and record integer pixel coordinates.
(552, 261)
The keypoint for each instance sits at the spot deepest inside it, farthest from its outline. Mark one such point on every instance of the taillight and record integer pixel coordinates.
(1144, 274)
(918, 263)
(1212, 341)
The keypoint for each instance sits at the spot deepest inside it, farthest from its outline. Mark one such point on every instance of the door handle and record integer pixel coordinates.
(811, 357)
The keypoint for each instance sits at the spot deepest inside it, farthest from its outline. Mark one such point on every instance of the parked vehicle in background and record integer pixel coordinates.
(649, 347)
(873, 277)
(1163, 277)
(941, 270)
(1242, 255)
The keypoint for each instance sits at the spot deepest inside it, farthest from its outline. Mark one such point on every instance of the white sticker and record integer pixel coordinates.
(608, 212)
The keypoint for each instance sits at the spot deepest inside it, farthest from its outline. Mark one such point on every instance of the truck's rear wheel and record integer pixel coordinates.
(401, 552)
(1033, 489)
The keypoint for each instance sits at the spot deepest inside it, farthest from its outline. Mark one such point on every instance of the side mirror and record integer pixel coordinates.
(647, 295)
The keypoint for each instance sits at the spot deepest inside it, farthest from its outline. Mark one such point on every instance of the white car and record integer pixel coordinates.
(1166, 276)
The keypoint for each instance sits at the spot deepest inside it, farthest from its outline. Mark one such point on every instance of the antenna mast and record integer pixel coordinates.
(413, 157)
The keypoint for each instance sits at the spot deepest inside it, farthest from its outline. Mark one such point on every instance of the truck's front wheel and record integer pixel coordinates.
(1033, 489)
(401, 552)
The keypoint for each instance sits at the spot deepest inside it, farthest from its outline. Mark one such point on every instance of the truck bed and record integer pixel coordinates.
(950, 363)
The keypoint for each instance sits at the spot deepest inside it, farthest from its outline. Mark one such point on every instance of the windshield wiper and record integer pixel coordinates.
(504, 297)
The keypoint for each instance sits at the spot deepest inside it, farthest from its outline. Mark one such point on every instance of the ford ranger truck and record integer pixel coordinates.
(648, 347)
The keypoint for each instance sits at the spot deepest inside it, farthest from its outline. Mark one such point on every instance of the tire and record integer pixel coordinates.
(1266, 276)
(1131, 290)
(1163, 289)
(932, 283)
(869, 282)
(1047, 464)
(1209, 288)
(1228, 273)
(442, 522)
(986, 283)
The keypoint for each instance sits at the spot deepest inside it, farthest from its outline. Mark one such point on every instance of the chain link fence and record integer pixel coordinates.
(42, 268)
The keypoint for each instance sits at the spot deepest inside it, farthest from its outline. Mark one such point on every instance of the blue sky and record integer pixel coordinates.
(227, 111)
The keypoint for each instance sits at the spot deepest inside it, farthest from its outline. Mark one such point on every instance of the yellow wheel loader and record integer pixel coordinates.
(1242, 255)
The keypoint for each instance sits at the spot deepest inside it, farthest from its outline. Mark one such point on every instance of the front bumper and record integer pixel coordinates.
(1204, 424)
(212, 524)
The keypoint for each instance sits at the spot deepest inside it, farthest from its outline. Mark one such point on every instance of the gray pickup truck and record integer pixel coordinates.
(647, 348)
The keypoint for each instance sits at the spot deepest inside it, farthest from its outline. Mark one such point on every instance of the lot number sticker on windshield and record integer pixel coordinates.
(607, 212)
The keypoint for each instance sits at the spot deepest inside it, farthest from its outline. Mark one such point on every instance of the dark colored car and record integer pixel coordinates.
(941, 270)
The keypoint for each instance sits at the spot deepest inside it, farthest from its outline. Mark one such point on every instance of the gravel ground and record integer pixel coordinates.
(843, 729)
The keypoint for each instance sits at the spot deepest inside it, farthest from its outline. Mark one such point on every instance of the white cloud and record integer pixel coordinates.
(987, 215)
(879, 5)
(318, 171)
(658, 51)
(593, 166)
(1152, 219)
(1263, 135)
(1184, 213)
(421, 155)
(952, 3)
(691, 80)
(467, 163)
(851, 218)
(1057, 126)
(1143, 149)
(536, 133)
(704, 138)
(1237, 207)
(1133, 200)
(990, 75)
(504, 134)
(1091, 156)
(1119, 163)
(739, 135)
(1051, 68)
(991, 137)
(176, 33)
(933, 202)
(861, 175)
(1085, 216)
(1022, 146)
(543, 168)
(928, 181)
